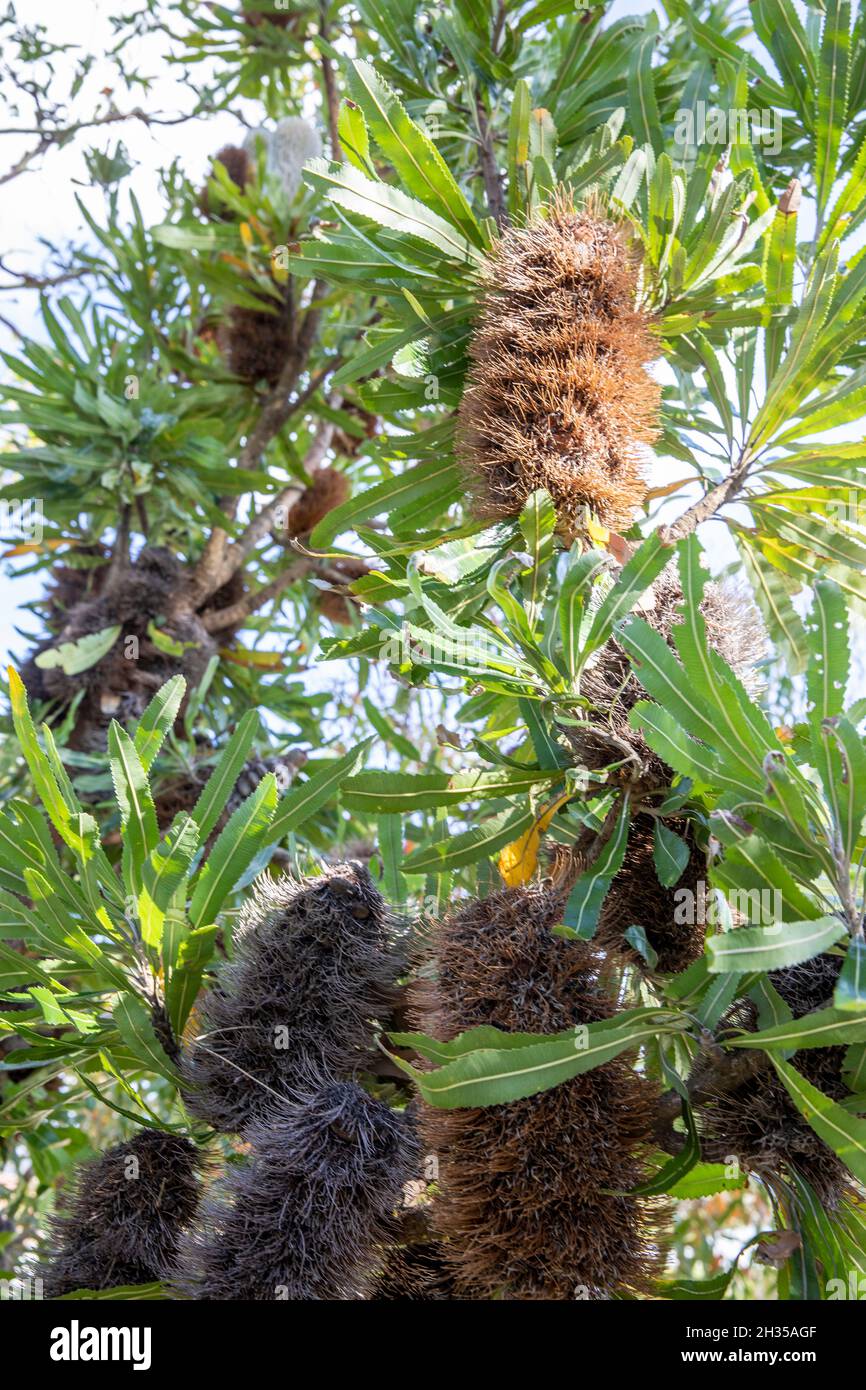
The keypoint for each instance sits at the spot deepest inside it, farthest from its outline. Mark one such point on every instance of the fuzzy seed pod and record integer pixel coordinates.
(306, 1216)
(734, 630)
(125, 1215)
(138, 600)
(238, 166)
(527, 1204)
(181, 793)
(312, 969)
(558, 393)
(257, 342)
(637, 898)
(327, 490)
(758, 1122)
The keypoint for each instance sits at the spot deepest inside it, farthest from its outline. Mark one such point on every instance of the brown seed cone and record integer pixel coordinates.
(336, 607)
(637, 898)
(528, 1202)
(758, 1123)
(125, 1215)
(734, 630)
(558, 394)
(281, 18)
(121, 684)
(327, 490)
(257, 342)
(238, 166)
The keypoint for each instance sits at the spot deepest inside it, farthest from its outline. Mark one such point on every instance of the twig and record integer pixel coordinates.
(332, 101)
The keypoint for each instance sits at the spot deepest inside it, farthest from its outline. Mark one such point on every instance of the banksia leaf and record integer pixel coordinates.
(606, 737)
(312, 970)
(125, 1215)
(531, 1200)
(558, 394)
(307, 1216)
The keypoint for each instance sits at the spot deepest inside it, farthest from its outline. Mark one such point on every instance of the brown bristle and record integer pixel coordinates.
(758, 1123)
(257, 342)
(530, 1200)
(336, 607)
(328, 489)
(637, 898)
(281, 18)
(558, 393)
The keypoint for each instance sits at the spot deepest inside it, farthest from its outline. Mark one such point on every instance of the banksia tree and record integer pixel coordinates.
(125, 1215)
(452, 478)
(310, 1212)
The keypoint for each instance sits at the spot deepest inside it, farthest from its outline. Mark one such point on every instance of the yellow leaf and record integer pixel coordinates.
(246, 234)
(598, 534)
(517, 861)
(33, 547)
(17, 693)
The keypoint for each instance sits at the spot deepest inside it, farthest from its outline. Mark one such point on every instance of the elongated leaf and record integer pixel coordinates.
(589, 892)
(473, 845)
(137, 812)
(305, 799)
(406, 488)
(496, 1075)
(416, 159)
(135, 1027)
(218, 788)
(401, 791)
(824, 1028)
(157, 719)
(845, 1134)
(832, 95)
(390, 207)
(237, 846)
(771, 948)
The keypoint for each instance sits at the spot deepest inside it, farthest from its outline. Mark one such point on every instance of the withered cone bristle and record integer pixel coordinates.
(308, 1214)
(125, 1215)
(758, 1122)
(530, 1201)
(559, 396)
(312, 970)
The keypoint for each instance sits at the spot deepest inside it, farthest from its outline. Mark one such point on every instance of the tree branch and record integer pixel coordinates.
(710, 503)
(332, 101)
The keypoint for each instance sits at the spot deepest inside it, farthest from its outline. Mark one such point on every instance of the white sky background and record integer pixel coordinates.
(41, 204)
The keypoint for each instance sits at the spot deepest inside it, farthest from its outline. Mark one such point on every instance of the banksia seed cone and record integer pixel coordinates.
(125, 1215)
(528, 1202)
(558, 393)
(238, 166)
(257, 342)
(328, 488)
(123, 681)
(306, 1216)
(312, 968)
(758, 1122)
(733, 630)
(637, 898)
